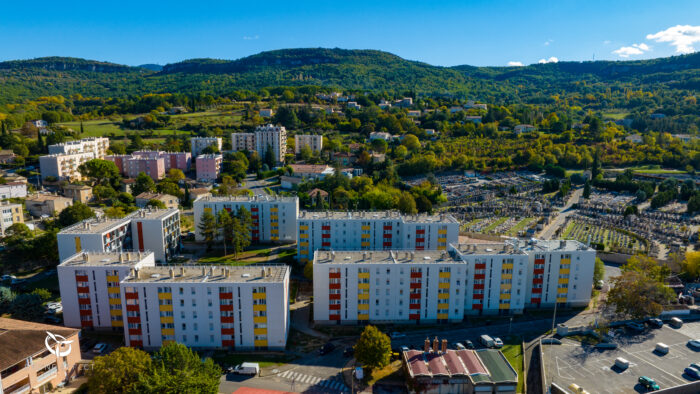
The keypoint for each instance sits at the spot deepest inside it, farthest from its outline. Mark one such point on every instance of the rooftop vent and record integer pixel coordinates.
(245, 276)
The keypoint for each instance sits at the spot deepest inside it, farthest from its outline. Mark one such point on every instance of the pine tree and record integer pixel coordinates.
(40, 142)
(207, 227)
(82, 130)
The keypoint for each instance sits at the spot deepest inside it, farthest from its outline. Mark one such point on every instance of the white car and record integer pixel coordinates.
(497, 343)
(7, 277)
(99, 348)
(694, 343)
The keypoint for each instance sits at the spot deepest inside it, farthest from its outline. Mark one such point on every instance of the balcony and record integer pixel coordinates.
(46, 375)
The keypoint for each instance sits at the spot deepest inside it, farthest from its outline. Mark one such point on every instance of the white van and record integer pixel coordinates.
(676, 322)
(486, 341)
(247, 369)
(661, 348)
(622, 363)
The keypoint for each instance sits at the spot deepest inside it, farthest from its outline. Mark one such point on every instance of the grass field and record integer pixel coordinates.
(513, 350)
(493, 225)
(615, 115)
(521, 225)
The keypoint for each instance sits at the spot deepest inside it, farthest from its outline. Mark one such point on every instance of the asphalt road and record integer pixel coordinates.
(559, 220)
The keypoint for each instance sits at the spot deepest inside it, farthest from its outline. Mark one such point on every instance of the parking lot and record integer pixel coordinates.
(593, 369)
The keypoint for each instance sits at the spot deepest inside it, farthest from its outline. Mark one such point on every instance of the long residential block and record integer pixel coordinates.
(274, 218)
(365, 230)
(392, 286)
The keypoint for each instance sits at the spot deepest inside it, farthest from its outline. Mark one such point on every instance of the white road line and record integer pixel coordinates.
(316, 380)
(297, 376)
(673, 377)
(286, 373)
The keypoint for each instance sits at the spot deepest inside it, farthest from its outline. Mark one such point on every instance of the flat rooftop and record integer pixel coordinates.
(493, 248)
(103, 224)
(375, 215)
(383, 257)
(255, 198)
(210, 274)
(100, 259)
(552, 245)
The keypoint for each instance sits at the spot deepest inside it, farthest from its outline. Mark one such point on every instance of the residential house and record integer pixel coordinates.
(524, 128)
(46, 204)
(169, 201)
(80, 193)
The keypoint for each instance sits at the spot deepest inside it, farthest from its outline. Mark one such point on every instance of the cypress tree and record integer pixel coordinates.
(81, 127)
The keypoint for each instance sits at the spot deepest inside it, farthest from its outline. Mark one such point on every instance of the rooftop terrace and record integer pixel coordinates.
(209, 274)
(374, 215)
(105, 258)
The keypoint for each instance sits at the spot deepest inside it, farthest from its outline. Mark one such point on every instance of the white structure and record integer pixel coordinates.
(445, 286)
(198, 144)
(472, 104)
(243, 141)
(157, 230)
(313, 141)
(364, 230)
(95, 145)
(380, 135)
(13, 190)
(9, 215)
(271, 137)
(354, 105)
(274, 218)
(89, 284)
(64, 159)
(246, 308)
(524, 128)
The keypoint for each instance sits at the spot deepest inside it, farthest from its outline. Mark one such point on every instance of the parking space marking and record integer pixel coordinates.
(673, 377)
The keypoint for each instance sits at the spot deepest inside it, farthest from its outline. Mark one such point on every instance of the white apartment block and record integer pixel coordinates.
(393, 286)
(95, 145)
(364, 230)
(271, 137)
(13, 190)
(315, 142)
(9, 215)
(64, 166)
(89, 284)
(274, 218)
(243, 141)
(246, 308)
(198, 144)
(157, 230)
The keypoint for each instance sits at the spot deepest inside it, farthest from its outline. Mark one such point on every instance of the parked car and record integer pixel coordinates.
(622, 363)
(348, 352)
(99, 348)
(648, 383)
(246, 369)
(468, 344)
(497, 342)
(695, 365)
(486, 340)
(655, 322)
(692, 372)
(676, 322)
(662, 348)
(17, 281)
(397, 334)
(635, 326)
(404, 348)
(459, 346)
(327, 348)
(694, 343)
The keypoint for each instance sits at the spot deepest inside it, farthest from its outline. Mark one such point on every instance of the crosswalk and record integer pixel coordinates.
(334, 384)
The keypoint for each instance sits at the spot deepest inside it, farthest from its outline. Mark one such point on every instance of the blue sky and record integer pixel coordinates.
(481, 33)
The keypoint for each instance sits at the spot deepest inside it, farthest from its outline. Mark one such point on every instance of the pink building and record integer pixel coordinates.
(154, 163)
(153, 167)
(209, 167)
(179, 160)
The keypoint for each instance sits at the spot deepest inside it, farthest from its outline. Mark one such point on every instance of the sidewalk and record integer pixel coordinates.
(300, 319)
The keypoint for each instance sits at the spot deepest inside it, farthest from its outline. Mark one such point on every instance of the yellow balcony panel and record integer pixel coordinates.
(303, 244)
(207, 209)
(165, 308)
(363, 275)
(260, 319)
(565, 261)
(364, 236)
(561, 299)
(274, 231)
(117, 323)
(260, 331)
(506, 286)
(507, 266)
(304, 236)
(504, 306)
(442, 231)
(303, 227)
(505, 296)
(363, 285)
(506, 276)
(273, 209)
(562, 291)
(363, 316)
(443, 305)
(167, 331)
(303, 260)
(363, 307)
(115, 301)
(363, 296)
(564, 271)
(113, 278)
(443, 296)
(444, 285)
(563, 280)
(259, 296)
(115, 312)
(441, 247)
(444, 274)
(260, 343)
(443, 316)
(365, 227)
(274, 238)
(259, 308)
(167, 319)
(364, 244)
(274, 217)
(165, 296)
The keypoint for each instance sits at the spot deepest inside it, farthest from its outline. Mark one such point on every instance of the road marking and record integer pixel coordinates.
(285, 373)
(673, 377)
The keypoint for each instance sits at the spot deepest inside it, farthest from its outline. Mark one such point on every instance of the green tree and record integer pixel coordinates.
(27, 306)
(407, 204)
(74, 214)
(176, 175)
(99, 171)
(598, 270)
(587, 190)
(6, 297)
(269, 157)
(178, 369)
(168, 187)
(119, 371)
(43, 294)
(306, 153)
(207, 228)
(309, 270)
(242, 224)
(155, 203)
(227, 226)
(640, 290)
(373, 349)
(411, 142)
(143, 183)
(690, 266)
(115, 212)
(379, 145)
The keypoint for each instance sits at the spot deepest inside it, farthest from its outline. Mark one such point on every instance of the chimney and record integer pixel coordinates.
(85, 256)
(364, 255)
(444, 346)
(211, 271)
(562, 244)
(132, 273)
(140, 256)
(172, 273)
(121, 257)
(269, 271)
(138, 274)
(182, 271)
(436, 343)
(228, 273)
(262, 275)
(204, 271)
(426, 345)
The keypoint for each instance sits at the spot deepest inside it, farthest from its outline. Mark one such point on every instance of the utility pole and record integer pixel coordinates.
(554, 316)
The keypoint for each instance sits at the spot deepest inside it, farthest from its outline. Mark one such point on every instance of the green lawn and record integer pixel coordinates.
(521, 225)
(615, 115)
(513, 350)
(493, 225)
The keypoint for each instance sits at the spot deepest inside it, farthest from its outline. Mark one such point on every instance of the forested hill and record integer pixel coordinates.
(343, 69)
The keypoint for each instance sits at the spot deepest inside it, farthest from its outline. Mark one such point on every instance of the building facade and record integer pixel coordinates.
(314, 142)
(198, 144)
(243, 141)
(445, 286)
(209, 167)
(155, 164)
(63, 159)
(95, 145)
(274, 218)
(10, 214)
(13, 190)
(364, 230)
(271, 137)
(245, 308)
(46, 204)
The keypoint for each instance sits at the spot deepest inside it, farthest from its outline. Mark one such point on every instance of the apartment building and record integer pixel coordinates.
(243, 141)
(64, 166)
(391, 286)
(209, 167)
(46, 204)
(27, 365)
(89, 285)
(198, 144)
(271, 137)
(246, 308)
(315, 142)
(13, 190)
(10, 214)
(364, 230)
(153, 163)
(95, 145)
(274, 218)
(157, 230)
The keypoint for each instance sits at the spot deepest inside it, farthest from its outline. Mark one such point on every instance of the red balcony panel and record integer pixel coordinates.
(81, 278)
(387, 244)
(325, 235)
(83, 301)
(414, 316)
(86, 323)
(420, 240)
(228, 342)
(413, 306)
(479, 276)
(537, 291)
(134, 331)
(133, 308)
(537, 280)
(415, 285)
(225, 296)
(420, 247)
(539, 261)
(479, 286)
(420, 231)
(333, 296)
(253, 209)
(131, 296)
(415, 296)
(334, 286)
(135, 343)
(86, 312)
(133, 319)
(83, 290)
(478, 306)
(326, 228)
(227, 319)
(334, 275)
(334, 307)
(325, 244)
(333, 317)
(226, 308)
(480, 266)
(388, 235)
(227, 331)
(536, 301)
(387, 227)
(538, 271)
(478, 296)
(416, 274)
